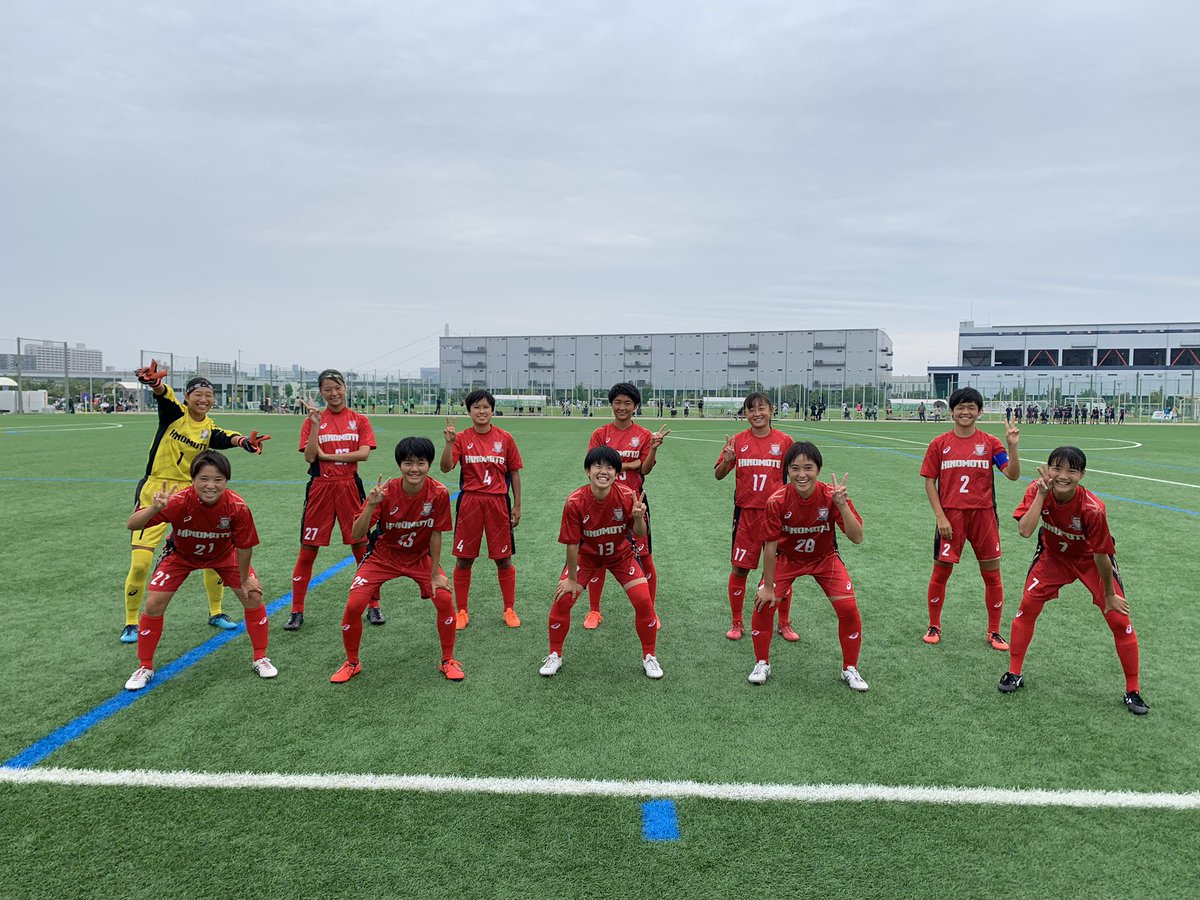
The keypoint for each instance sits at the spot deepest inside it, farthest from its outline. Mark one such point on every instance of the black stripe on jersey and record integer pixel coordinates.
(512, 537)
(304, 510)
(737, 517)
(168, 411)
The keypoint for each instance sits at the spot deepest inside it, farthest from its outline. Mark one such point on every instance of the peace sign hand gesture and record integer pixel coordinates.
(1043, 479)
(375, 494)
(449, 432)
(311, 410)
(840, 497)
(658, 437)
(1012, 434)
(639, 506)
(728, 450)
(162, 496)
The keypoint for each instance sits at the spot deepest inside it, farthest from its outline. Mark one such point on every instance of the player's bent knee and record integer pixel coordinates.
(156, 603)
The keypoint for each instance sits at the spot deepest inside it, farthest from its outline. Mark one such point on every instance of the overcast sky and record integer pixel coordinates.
(331, 183)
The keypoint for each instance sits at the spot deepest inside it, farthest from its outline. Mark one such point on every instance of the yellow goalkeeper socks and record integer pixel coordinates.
(135, 583)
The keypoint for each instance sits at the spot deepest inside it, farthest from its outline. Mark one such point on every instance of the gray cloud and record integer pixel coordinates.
(327, 182)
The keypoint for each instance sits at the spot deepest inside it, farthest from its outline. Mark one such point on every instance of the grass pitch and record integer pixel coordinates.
(933, 716)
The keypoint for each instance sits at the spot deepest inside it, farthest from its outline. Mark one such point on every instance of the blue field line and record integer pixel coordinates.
(659, 821)
(76, 728)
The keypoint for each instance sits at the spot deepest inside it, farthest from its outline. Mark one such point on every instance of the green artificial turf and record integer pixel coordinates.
(933, 715)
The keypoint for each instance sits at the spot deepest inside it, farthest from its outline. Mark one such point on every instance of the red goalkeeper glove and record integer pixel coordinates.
(253, 443)
(151, 375)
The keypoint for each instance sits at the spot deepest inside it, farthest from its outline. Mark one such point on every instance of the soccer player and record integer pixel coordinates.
(1074, 544)
(800, 540)
(334, 440)
(184, 430)
(757, 455)
(211, 529)
(958, 482)
(597, 522)
(409, 514)
(638, 448)
(490, 464)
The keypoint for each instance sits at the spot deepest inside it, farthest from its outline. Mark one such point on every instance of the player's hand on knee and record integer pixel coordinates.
(567, 586)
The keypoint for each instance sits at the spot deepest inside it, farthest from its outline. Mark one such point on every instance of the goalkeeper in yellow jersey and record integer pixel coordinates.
(184, 430)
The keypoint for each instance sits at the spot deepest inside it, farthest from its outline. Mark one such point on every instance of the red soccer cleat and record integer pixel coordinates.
(593, 619)
(735, 632)
(933, 635)
(453, 670)
(345, 673)
(997, 641)
(787, 632)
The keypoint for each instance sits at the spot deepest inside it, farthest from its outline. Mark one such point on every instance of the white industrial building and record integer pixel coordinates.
(1143, 364)
(837, 362)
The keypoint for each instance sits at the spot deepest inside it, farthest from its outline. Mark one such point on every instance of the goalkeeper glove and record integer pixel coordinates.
(253, 443)
(151, 375)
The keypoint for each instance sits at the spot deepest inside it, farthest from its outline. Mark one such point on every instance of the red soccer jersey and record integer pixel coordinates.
(804, 528)
(341, 432)
(486, 460)
(758, 466)
(1073, 529)
(599, 527)
(202, 533)
(962, 467)
(632, 443)
(407, 523)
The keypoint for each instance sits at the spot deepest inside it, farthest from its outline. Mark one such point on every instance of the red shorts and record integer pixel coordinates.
(830, 573)
(979, 526)
(172, 570)
(749, 529)
(479, 514)
(625, 569)
(326, 499)
(378, 569)
(1047, 576)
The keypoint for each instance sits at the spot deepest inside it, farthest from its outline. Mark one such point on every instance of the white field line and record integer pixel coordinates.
(38, 429)
(759, 793)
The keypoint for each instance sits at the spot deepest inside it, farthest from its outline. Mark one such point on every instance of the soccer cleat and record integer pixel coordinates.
(853, 679)
(295, 620)
(264, 667)
(345, 673)
(933, 635)
(735, 631)
(129, 634)
(1133, 702)
(550, 664)
(787, 632)
(1010, 682)
(461, 620)
(762, 669)
(142, 676)
(593, 619)
(453, 670)
(375, 616)
(650, 664)
(997, 641)
(222, 621)
(510, 617)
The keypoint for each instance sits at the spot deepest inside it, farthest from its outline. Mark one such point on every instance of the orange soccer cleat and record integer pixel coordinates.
(593, 619)
(346, 672)
(510, 618)
(453, 670)
(461, 621)
(735, 632)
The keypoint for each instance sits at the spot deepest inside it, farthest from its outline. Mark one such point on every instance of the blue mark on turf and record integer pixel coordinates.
(76, 728)
(1186, 512)
(659, 821)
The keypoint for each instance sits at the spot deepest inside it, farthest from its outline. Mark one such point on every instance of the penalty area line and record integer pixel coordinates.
(675, 790)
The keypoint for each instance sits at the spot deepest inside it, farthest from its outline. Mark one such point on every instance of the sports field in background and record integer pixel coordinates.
(932, 718)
